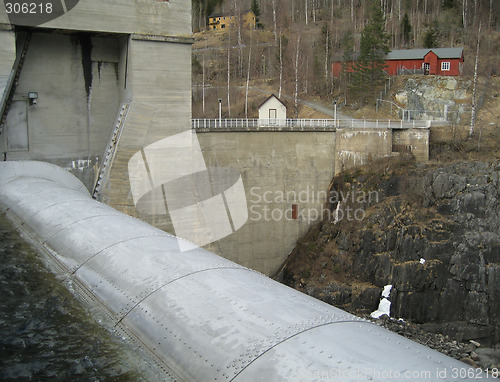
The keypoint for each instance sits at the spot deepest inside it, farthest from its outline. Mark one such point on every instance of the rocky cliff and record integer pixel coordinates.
(431, 232)
(431, 97)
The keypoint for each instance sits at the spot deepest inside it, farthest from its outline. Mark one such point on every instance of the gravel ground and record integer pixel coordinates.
(470, 352)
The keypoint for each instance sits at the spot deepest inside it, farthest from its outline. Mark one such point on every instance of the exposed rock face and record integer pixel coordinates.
(448, 217)
(428, 96)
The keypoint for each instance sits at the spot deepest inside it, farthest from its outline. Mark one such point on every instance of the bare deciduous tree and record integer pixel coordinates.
(306, 12)
(296, 93)
(203, 85)
(327, 54)
(273, 6)
(248, 73)
(490, 18)
(229, 75)
(474, 91)
(280, 48)
(464, 13)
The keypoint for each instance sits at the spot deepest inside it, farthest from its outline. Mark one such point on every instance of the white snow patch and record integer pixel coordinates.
(387, 291)
(336, 214)
(384, 307)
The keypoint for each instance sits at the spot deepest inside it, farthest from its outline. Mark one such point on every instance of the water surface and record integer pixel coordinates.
(45, 332)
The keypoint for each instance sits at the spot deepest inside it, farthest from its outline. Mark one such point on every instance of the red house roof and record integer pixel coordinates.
(419, 54)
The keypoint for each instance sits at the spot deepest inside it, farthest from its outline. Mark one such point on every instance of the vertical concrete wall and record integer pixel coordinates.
(77, 78)
(157, 17)
(7, 56)
(356, 145)
(286, 176)
(417, 140)
(279, 170)
(159, 82)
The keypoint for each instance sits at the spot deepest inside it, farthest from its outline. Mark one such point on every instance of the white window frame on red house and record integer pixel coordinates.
(445, 66)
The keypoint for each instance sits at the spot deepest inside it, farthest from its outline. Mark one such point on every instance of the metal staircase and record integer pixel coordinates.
(13, 81)
(110, 150)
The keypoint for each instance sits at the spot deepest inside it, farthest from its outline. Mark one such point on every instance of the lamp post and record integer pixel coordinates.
(220, 112)
(335, 113)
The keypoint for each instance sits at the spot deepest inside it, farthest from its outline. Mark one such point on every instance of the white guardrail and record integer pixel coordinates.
(242, 123)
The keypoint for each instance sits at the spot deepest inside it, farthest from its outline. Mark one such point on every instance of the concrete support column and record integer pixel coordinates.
(158, 82)
(7, 59)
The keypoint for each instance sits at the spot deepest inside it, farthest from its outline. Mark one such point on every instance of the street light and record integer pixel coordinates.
(32, 96)
(220, 112)
(335, 113)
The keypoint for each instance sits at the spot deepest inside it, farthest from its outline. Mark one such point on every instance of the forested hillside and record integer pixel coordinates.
(291, 51)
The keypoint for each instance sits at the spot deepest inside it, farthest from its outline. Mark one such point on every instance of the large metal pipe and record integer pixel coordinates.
(204, 318)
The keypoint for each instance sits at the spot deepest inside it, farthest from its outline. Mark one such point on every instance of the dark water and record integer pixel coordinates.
(45, 333)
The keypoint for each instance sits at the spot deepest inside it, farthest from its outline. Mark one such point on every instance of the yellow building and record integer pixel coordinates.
(217, 21)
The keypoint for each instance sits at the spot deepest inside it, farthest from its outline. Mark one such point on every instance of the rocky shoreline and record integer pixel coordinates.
(470, 352)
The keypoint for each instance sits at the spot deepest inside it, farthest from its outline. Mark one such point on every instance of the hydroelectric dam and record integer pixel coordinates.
(102, 90)
(106, 94)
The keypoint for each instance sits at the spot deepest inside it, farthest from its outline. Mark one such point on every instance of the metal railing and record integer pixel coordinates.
(402, 71)
(12, 80)
(383, 124)
(244, 123)
(446, 114)
(290, 123)
(389, 102)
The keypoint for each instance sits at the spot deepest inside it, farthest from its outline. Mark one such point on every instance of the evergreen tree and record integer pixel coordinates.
(210, 6)
(256, 11)
(206, 7)
(448, 4)
(406, 29)
(374, 47)
(430, 38)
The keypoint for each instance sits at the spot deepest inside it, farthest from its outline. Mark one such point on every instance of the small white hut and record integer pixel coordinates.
(272, 112)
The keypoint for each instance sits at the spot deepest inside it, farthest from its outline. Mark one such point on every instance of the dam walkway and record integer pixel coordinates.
(297, 124)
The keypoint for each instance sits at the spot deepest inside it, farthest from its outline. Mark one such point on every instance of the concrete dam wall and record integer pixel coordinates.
(285, 178)
(284, 174)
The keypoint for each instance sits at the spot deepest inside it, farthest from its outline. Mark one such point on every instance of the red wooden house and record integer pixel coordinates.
(437, 61)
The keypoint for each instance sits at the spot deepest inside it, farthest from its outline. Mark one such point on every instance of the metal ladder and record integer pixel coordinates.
(13, 81)
(110, 150)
